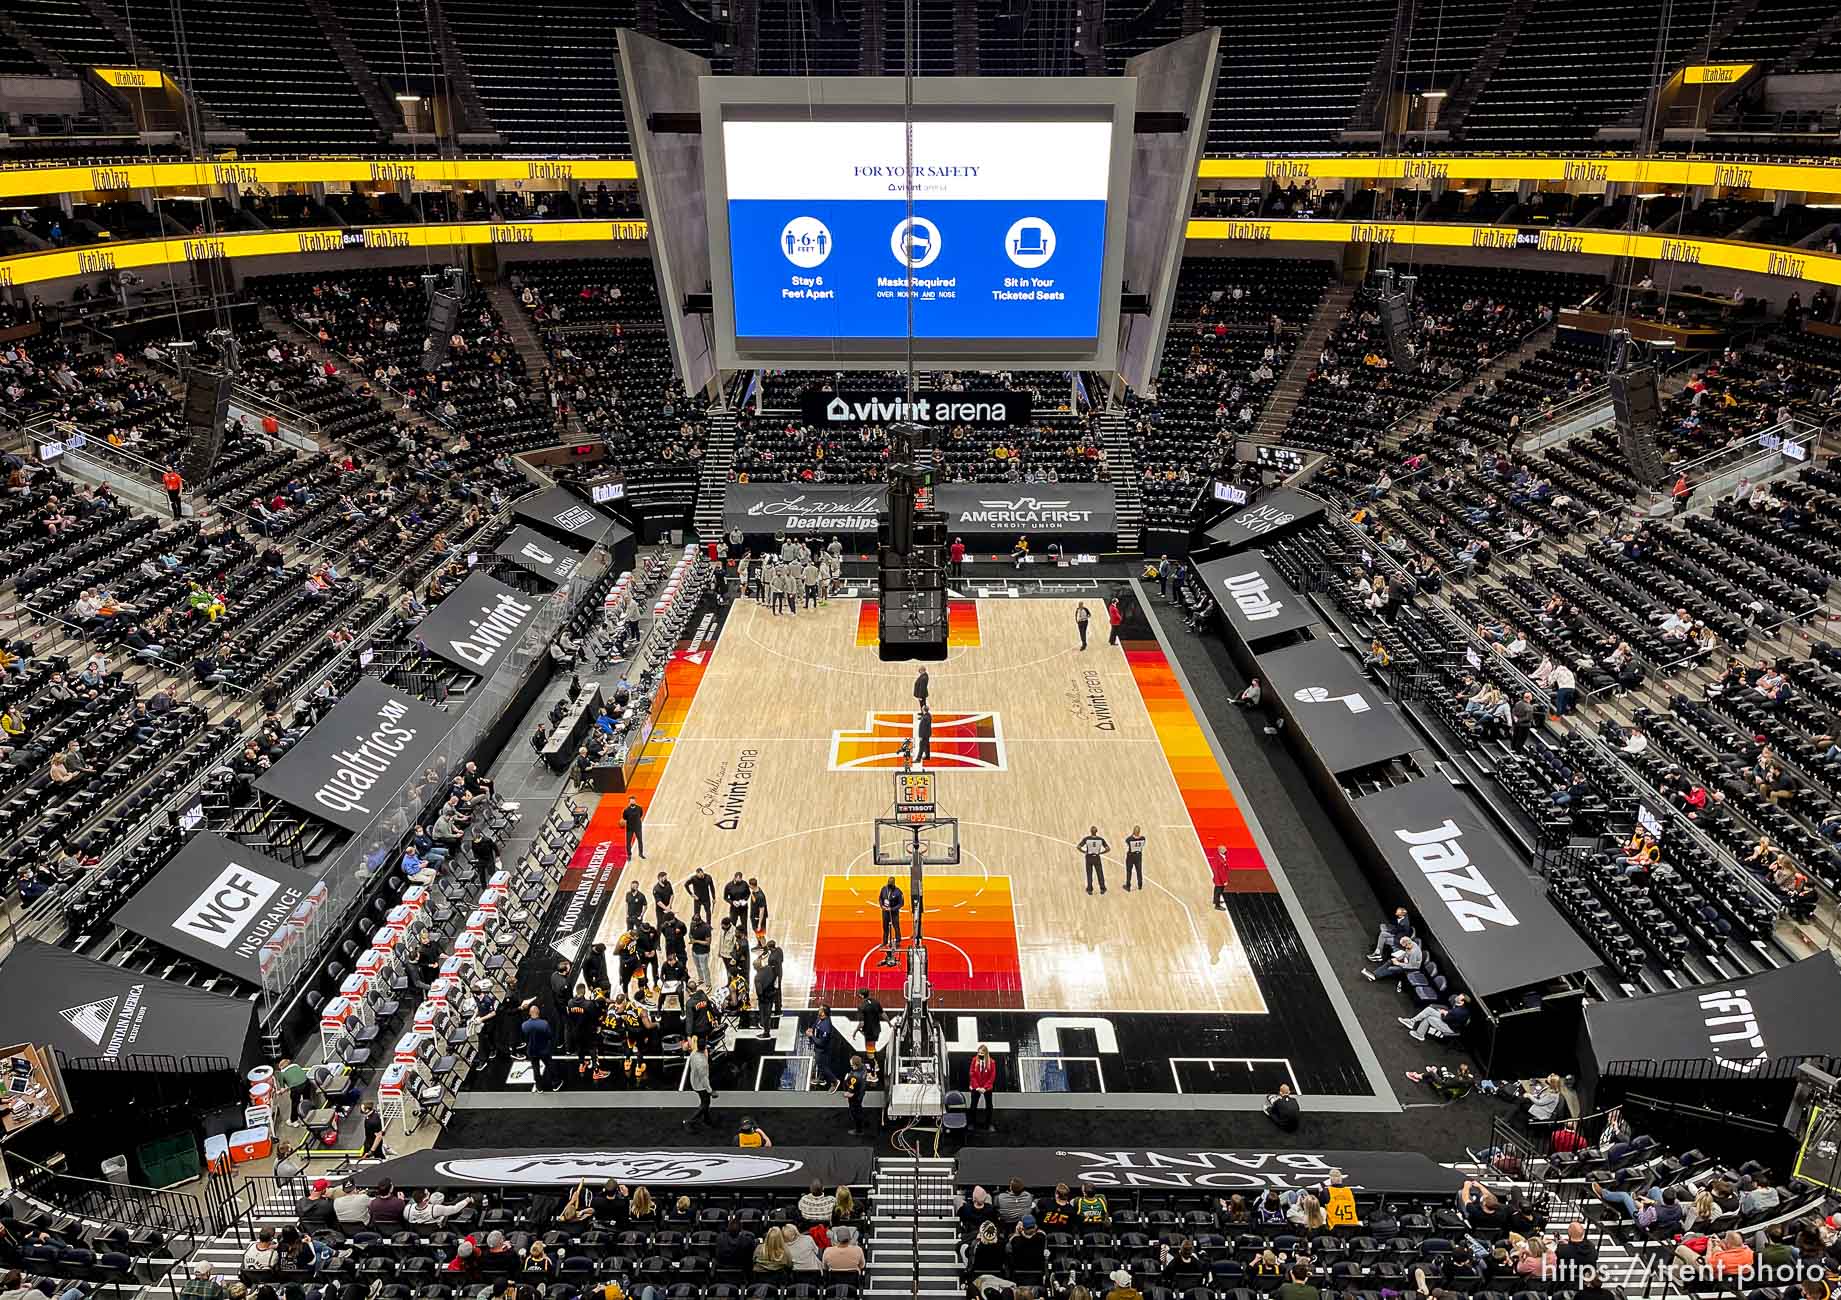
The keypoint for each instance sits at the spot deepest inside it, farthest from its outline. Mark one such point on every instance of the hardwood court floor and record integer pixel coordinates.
(782, 765)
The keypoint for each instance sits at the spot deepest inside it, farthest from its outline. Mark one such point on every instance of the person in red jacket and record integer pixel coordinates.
(956, 552)
(1113, 616)
(1218, 864)
(983, 1083)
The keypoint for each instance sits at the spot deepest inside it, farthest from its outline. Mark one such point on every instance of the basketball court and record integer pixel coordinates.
(785, 735)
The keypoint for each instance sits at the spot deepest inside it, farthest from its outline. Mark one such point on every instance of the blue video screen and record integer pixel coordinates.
(1007, 239)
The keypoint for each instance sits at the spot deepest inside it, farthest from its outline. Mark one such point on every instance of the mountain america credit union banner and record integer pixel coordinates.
(479, 623)
(221, 904)
(357, 759)
(87, 1009)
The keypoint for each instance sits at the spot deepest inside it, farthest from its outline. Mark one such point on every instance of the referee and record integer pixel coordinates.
(891, 901)
(1093, 846)
(1134, 858)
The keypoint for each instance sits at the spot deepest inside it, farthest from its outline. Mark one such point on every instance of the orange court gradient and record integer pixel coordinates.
(1213, 810)
(961, 623)
(604, 840)
(972, 955)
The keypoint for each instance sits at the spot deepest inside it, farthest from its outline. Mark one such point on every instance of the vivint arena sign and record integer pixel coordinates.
(826, 410)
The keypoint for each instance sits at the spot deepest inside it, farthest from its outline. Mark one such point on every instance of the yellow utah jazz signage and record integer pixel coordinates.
(132, 78)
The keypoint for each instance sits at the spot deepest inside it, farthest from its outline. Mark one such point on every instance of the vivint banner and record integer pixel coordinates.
(826, 410)
(222, 904)
(357, 759)
(479, 624)
(1041, 510)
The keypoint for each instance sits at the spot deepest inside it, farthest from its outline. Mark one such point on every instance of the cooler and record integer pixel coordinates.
(354, 986)
(400, 917)
(386, 938)
(217, 1153)
(489, 900)
(408, 1046)
(250, 1144)
(476, 922)
(334, 1015)
(438, 991)
(390, 1085)
(425, 1017)
(374, 962)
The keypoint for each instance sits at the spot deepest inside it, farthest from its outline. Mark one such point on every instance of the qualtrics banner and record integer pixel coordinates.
(1489, 919)
(221, 904)
(358, 758)
(1037, 508)
(536, 554)
(1256, 600)
(854, 410)
(479, 624)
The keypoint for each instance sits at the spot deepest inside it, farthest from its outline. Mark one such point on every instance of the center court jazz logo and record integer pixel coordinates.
(1321, 695)
(966, 742)
(806, 241)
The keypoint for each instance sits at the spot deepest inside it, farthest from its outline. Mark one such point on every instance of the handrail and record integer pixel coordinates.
(1770, 439)
(1340, 508)
(107, 1201)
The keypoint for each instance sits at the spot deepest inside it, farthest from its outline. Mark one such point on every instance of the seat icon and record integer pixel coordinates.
(1029, 242)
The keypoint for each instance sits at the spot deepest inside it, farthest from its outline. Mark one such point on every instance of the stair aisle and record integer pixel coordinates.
(1290, 387)
(718, 459)
(907, 1257)
(1122, 468)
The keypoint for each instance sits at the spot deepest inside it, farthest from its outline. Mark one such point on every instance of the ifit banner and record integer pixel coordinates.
(827, 410)
(221, 904)
(358, 758)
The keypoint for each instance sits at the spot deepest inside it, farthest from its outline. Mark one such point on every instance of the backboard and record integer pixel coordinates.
(939, 839)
